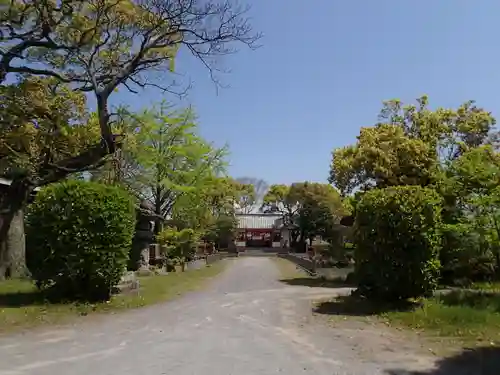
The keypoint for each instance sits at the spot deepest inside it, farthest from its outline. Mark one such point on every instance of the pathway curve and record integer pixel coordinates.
(246, 322)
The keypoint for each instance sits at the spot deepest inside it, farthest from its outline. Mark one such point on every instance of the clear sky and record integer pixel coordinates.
(324, 68)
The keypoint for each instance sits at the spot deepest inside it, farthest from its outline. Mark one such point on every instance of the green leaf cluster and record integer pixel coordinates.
(397, 242)
(78, 239)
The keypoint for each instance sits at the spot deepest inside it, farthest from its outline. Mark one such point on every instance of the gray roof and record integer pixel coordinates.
(256, 221)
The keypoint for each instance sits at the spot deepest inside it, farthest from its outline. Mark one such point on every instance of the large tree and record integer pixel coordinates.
(165, 159)
(320, 209)
(97, 47)
(409, 145)
(209, 209)
(307, 208)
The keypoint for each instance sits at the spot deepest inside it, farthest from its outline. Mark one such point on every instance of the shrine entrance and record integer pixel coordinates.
(257, 231)
(257, 238)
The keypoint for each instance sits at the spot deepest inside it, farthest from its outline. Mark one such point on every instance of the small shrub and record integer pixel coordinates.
(466, 256)
(78, 239)
(181, 245)
(397, 242)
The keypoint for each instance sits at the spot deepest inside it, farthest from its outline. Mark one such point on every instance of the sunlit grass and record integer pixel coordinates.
(22, 306)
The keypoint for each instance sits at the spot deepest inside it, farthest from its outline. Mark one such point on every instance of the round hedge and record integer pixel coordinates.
(398, 242)
(78, 239)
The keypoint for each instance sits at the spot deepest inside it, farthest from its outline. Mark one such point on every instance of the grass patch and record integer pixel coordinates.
(488, 286)
(464, 317)
(458, 319)
(288, 270)
(22, 306)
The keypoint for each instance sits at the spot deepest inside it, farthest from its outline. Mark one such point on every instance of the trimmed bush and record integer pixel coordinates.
(397, 242)
(78, 239)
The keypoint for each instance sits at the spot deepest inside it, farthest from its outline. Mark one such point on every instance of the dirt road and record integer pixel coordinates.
(245, 322)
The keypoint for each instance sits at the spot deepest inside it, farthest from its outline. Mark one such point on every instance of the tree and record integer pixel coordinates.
(453, 151)
(29, 149)
(181, 244)
(247, 200)
(98, 47)
(409, 146)
(210, 209)
(320, 209)
(307, 208)
(166, 159)
(470, 189)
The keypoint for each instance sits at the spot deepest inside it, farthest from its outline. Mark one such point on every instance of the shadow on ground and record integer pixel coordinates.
(477, 361)
(319, 282)
(20, 299)
(356, 306)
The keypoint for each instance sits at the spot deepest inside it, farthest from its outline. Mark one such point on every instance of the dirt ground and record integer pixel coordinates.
(245, 322)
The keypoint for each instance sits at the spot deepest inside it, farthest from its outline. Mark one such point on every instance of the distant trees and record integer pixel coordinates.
(307, 208)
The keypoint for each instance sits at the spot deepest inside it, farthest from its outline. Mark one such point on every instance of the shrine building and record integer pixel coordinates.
(259, 231)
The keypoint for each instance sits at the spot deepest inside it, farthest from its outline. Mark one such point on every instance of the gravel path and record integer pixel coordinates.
(245, 322)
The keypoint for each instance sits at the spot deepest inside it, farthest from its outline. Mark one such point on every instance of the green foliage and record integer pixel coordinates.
(466, 256)
(78, 239)
(397, 242)
(164, 157)
(472, 217)
(308, 208)
(409, 145)
(320, 209)
(55, 54)
(222, 230)
(451, 150)
(180, 244)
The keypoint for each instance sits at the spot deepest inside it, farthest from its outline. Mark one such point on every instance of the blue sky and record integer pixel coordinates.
(324, 68)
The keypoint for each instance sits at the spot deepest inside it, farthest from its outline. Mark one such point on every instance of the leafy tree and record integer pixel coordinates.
(36, 114)
(209, 209)
(454, 151)
(222, 230)
(470, 188)
(320, 209)
(165, 159)
(409, 145)
(181, 244)
(97, 47)
(308, 209)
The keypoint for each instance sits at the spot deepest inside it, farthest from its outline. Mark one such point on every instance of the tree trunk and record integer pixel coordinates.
(12, 241)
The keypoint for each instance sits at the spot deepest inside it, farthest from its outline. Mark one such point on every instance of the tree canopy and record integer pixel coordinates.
(409, 145)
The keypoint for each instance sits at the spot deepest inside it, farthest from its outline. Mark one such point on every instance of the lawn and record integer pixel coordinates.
(21, 306)
(461, 318)
(287, 269)
(455, 320)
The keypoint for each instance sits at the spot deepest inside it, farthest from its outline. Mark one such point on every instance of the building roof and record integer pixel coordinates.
(256, 221)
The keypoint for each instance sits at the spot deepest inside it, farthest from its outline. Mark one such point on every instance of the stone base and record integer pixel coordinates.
(128, 282)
